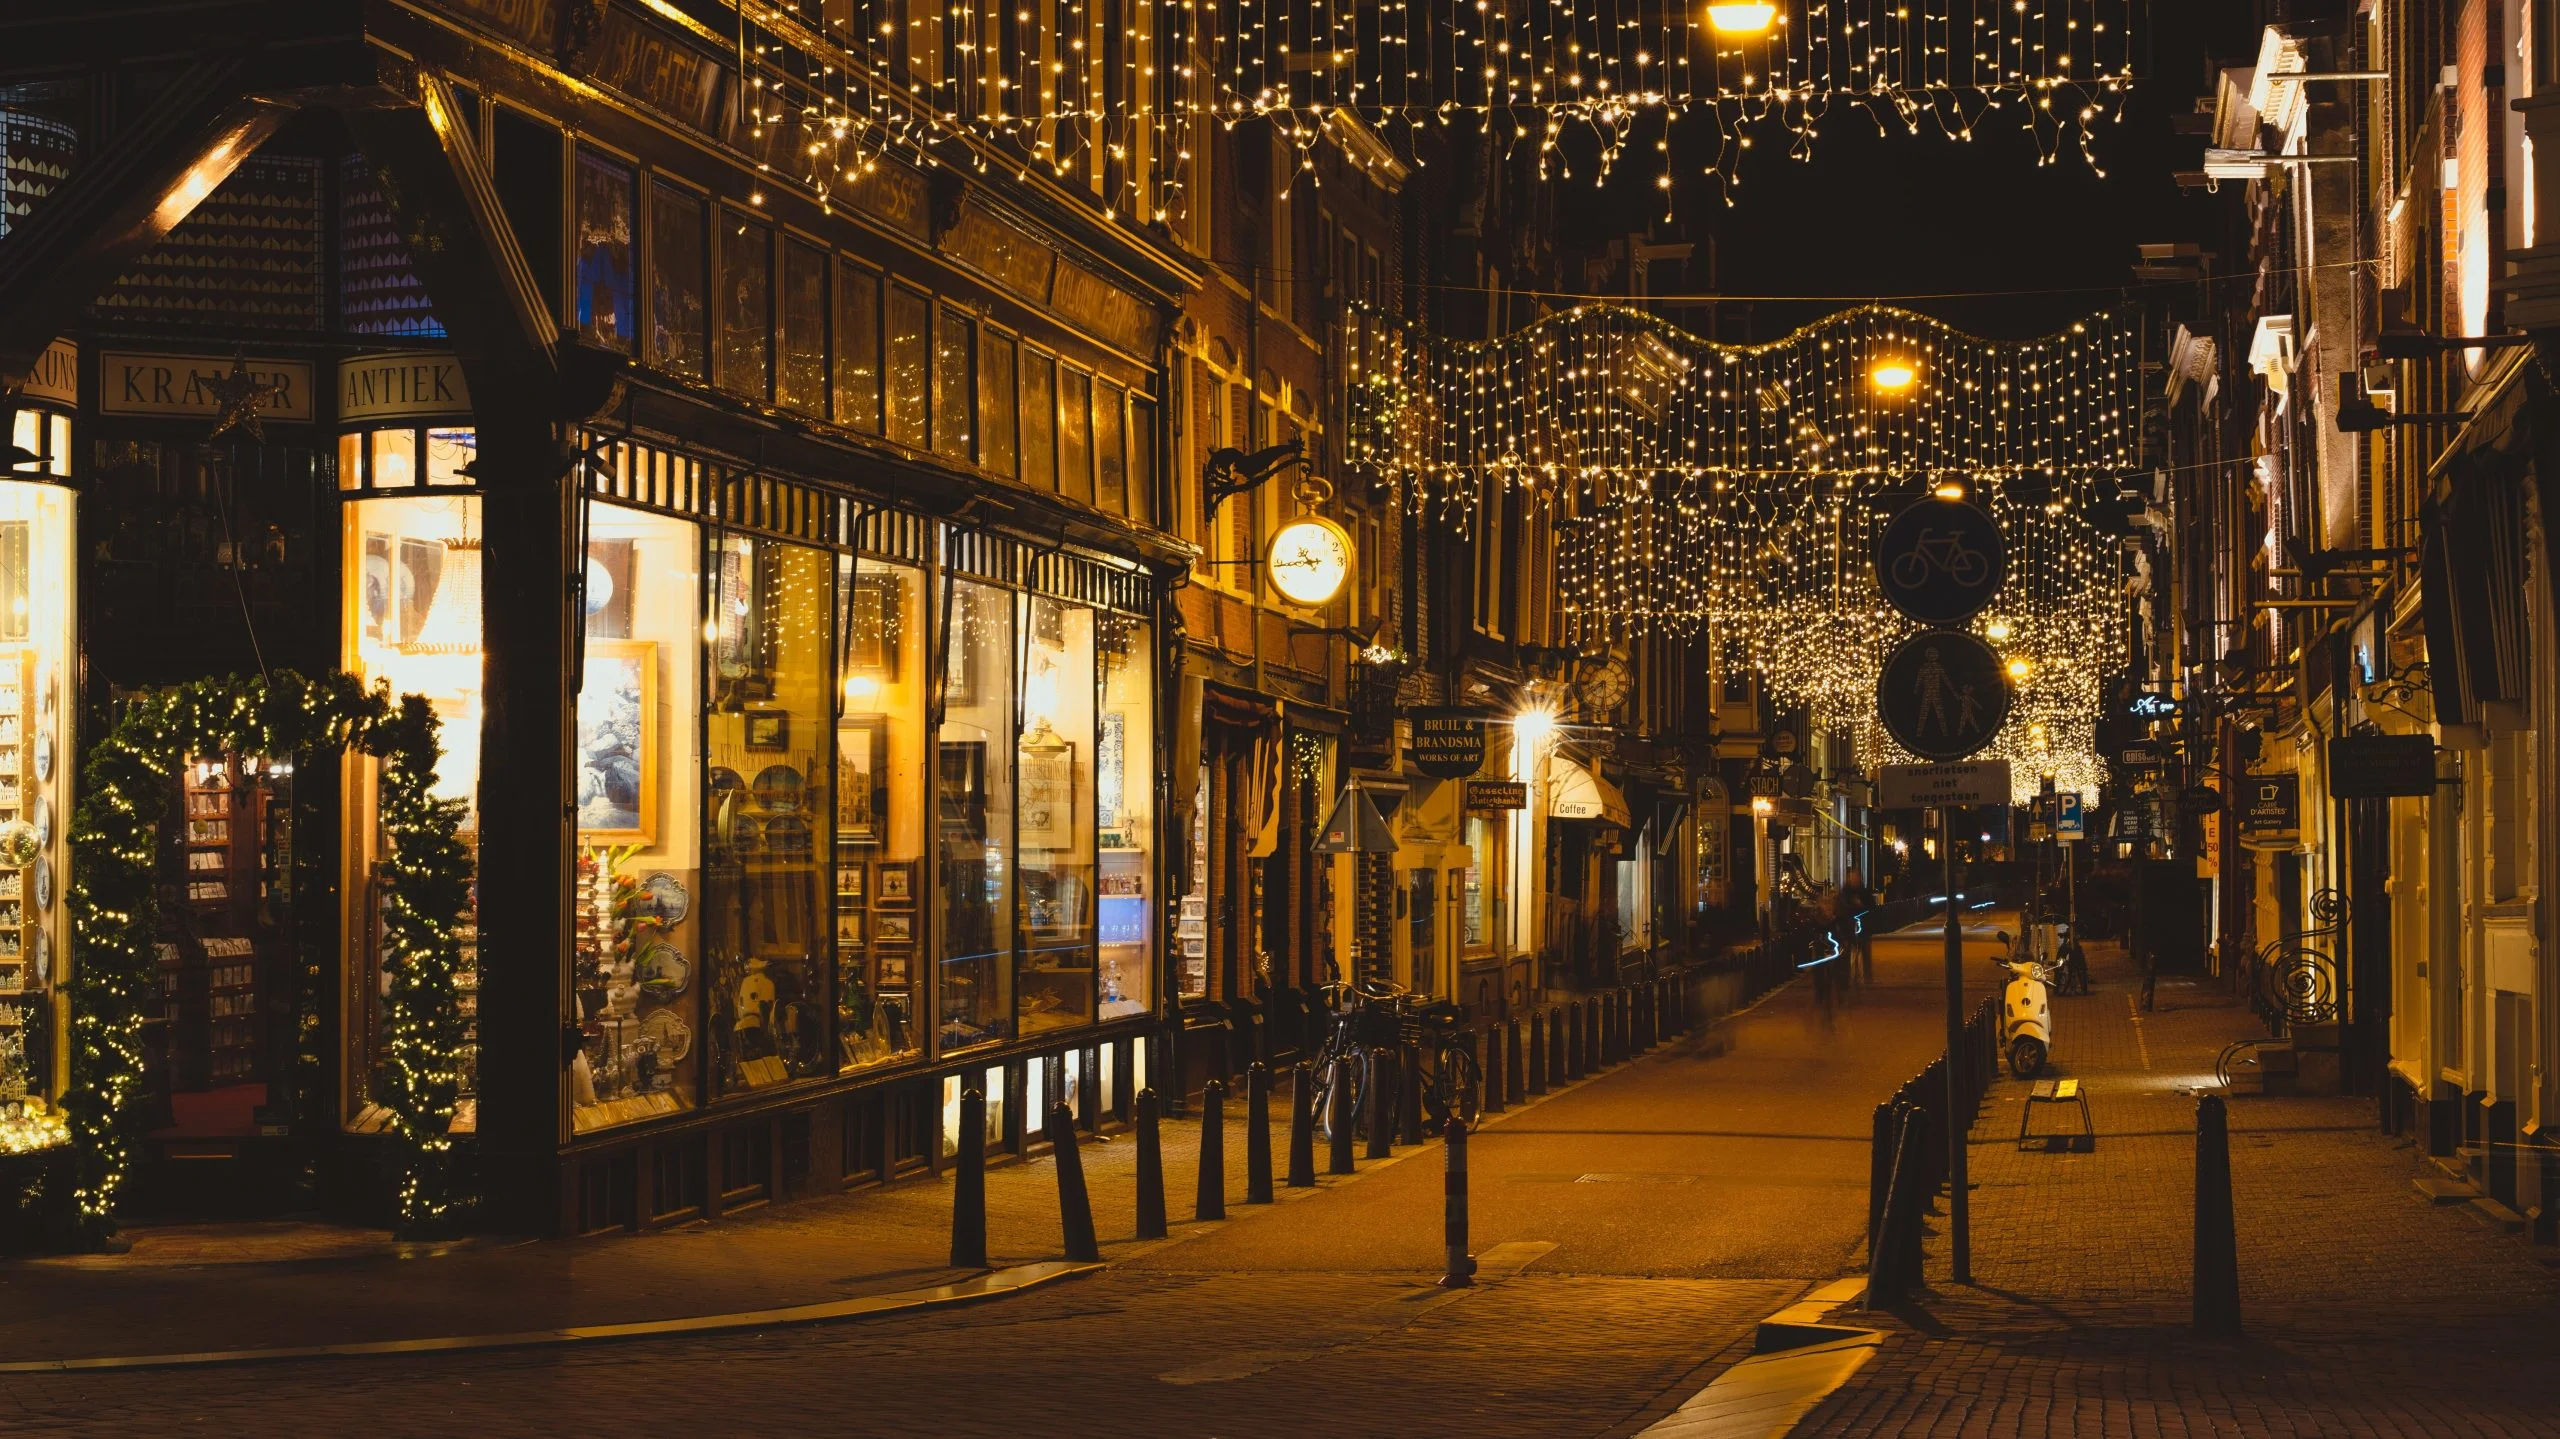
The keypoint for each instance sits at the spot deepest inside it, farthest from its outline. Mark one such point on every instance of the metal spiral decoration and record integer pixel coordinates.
(2302, 984)
(2329, 908)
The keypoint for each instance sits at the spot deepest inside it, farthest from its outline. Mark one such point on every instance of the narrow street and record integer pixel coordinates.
(1643, 1220)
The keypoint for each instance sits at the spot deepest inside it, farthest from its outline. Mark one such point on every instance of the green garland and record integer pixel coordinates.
(114, 980)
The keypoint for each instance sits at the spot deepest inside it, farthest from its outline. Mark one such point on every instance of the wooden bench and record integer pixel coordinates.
(2058, 1091)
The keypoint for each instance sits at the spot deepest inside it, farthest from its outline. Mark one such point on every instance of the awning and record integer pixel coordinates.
(1574, 792)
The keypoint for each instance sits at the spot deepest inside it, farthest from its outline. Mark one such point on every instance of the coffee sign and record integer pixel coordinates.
(1448, 743)
(184, 386)
(402, 385)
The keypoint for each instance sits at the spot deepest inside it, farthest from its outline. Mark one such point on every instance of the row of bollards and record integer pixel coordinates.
(1553, 1047)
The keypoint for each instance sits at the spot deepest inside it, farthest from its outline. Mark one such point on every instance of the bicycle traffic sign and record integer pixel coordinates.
(1941, 561)
(1942, 695)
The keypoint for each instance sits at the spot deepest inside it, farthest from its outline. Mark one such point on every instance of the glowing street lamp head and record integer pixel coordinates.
(1949, 491)
(1997, 632)
(2020, 668)
(1742, 17)
(1893, 375)
(1533, 726)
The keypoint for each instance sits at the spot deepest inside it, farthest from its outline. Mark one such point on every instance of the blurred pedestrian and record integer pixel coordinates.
(1857, 945)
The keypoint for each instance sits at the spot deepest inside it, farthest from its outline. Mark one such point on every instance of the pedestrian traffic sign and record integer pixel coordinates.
(1928, 786)
(2068, 822)
(1942, 695)
(1941, 561)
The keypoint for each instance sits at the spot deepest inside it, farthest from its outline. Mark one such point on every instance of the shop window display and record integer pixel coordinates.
(879, 812)
(768, 802)
(746, 305)
(973, 786)
(1054, 964)
(604, 279)
(1476, 907)
(412, 596)
(676, 270)
(1124, 772)
(857, 369)
(36, 764)
(634, 974)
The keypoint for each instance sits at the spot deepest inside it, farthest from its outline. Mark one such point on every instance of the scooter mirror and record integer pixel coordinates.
(2001, 935)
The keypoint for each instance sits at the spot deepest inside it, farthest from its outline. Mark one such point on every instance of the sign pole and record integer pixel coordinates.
(1959, 1125)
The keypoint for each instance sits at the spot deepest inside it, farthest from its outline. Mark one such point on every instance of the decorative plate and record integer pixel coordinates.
(44, 883)
(669, 1034)
(788, 837)
(44, 956)
(663, 972)
(724, 779)
(779, 787)
(41, 813)
(44, 755)
(664, 898)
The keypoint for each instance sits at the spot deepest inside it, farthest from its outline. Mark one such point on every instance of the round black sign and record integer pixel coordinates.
(2201, 799)
(1942, 694)
(1941, 561)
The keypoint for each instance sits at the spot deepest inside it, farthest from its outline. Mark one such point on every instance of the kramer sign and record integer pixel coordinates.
(402, 385)
(182, 386)
(1926, 786)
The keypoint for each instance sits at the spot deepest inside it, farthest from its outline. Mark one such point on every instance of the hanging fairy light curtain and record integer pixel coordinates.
(1775, 69)
(1736, 492)
(1084, 92)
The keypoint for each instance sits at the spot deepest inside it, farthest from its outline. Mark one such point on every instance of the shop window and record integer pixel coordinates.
(746, 305)
(411, 590)
(1039, 421)
(603, 258)
(879, 813)
(765, 935)
(46, 439)
(1476, 908)
(857, 374)
(676, 271)
(1110, 447)
(803, 384)
(954, 338)
(448, 451)
(391, 459)
(1075, 435)
(37, 608)
(1124, 771)
(636, 974)
(907, 316)
(996, 412)
(974, 792)
(1191, 925)
(1054, 969)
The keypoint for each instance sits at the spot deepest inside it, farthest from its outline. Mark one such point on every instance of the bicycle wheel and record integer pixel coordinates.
(1458, 1086)
(1969, 568)
(1354, 1071)
(1910, 568)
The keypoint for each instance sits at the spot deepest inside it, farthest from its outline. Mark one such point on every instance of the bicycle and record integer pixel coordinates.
(1457, 1084)
(1950, 556)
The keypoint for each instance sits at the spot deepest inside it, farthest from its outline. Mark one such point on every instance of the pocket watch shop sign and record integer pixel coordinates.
(1448, 743)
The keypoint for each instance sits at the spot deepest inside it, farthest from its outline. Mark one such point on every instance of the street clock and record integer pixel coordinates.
(1309, 560)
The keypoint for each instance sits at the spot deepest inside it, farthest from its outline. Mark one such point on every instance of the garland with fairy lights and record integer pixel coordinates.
(114, 982)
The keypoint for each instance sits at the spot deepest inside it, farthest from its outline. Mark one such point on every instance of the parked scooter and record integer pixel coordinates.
(2026, 1012)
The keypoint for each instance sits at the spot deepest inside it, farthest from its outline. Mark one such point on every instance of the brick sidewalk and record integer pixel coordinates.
(2368, 1311)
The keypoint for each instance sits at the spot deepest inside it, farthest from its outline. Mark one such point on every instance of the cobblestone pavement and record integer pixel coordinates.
(2367, 1311)
(1633, 1228)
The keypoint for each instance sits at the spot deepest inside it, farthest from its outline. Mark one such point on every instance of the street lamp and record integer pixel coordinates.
(1533, 726)
(2021, 667)
(1742, 17)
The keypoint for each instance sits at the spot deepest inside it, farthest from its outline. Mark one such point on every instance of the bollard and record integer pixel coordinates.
(1604, 1043)
(1517, 1088)
(1302, 1126)
(1537, 1056)
(1555, 1048)
(1211, 1200)
(1151, 1223)
(1257, 1133)
(1573, 1040)
(2217, 1252)
(1340, 1120)
(1380, 1101)
(1075, 1207)
(1453, 1222)
(969, 1185)
(1879, 1172)
(1409, 1095)
(1497, 1076)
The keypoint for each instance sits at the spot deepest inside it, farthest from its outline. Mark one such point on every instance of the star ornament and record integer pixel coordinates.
(238, 397)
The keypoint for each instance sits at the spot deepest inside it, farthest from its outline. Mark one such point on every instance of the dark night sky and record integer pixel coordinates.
(1875, 215)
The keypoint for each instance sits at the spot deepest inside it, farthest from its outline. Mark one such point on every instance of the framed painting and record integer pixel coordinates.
(616, 764)
(1048, 796)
